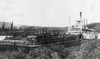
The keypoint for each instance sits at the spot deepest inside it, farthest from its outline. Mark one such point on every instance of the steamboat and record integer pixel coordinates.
(77, 32)
(81, 28)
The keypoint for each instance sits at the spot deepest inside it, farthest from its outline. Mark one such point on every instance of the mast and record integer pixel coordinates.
(84, 22)
(69, 25)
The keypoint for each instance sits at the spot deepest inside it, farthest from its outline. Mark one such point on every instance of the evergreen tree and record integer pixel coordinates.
(3, 26)
(12, 25)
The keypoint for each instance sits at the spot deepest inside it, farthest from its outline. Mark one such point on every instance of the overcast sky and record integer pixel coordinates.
(48, 12)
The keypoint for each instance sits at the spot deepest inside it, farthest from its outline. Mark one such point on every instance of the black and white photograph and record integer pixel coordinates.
(49, 29)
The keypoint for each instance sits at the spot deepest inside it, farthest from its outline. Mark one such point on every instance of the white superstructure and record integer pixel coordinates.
(80, 27)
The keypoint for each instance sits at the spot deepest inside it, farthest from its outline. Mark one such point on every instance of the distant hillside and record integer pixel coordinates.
(7, 24)
(94, 26)
(48, 29)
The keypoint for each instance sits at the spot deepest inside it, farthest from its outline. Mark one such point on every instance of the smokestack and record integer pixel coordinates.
(81, 21)
(80, 15)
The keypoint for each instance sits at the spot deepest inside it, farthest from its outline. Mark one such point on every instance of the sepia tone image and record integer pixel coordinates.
(49, 29)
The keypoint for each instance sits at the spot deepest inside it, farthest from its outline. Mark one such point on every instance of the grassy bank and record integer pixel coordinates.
(88, 50)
